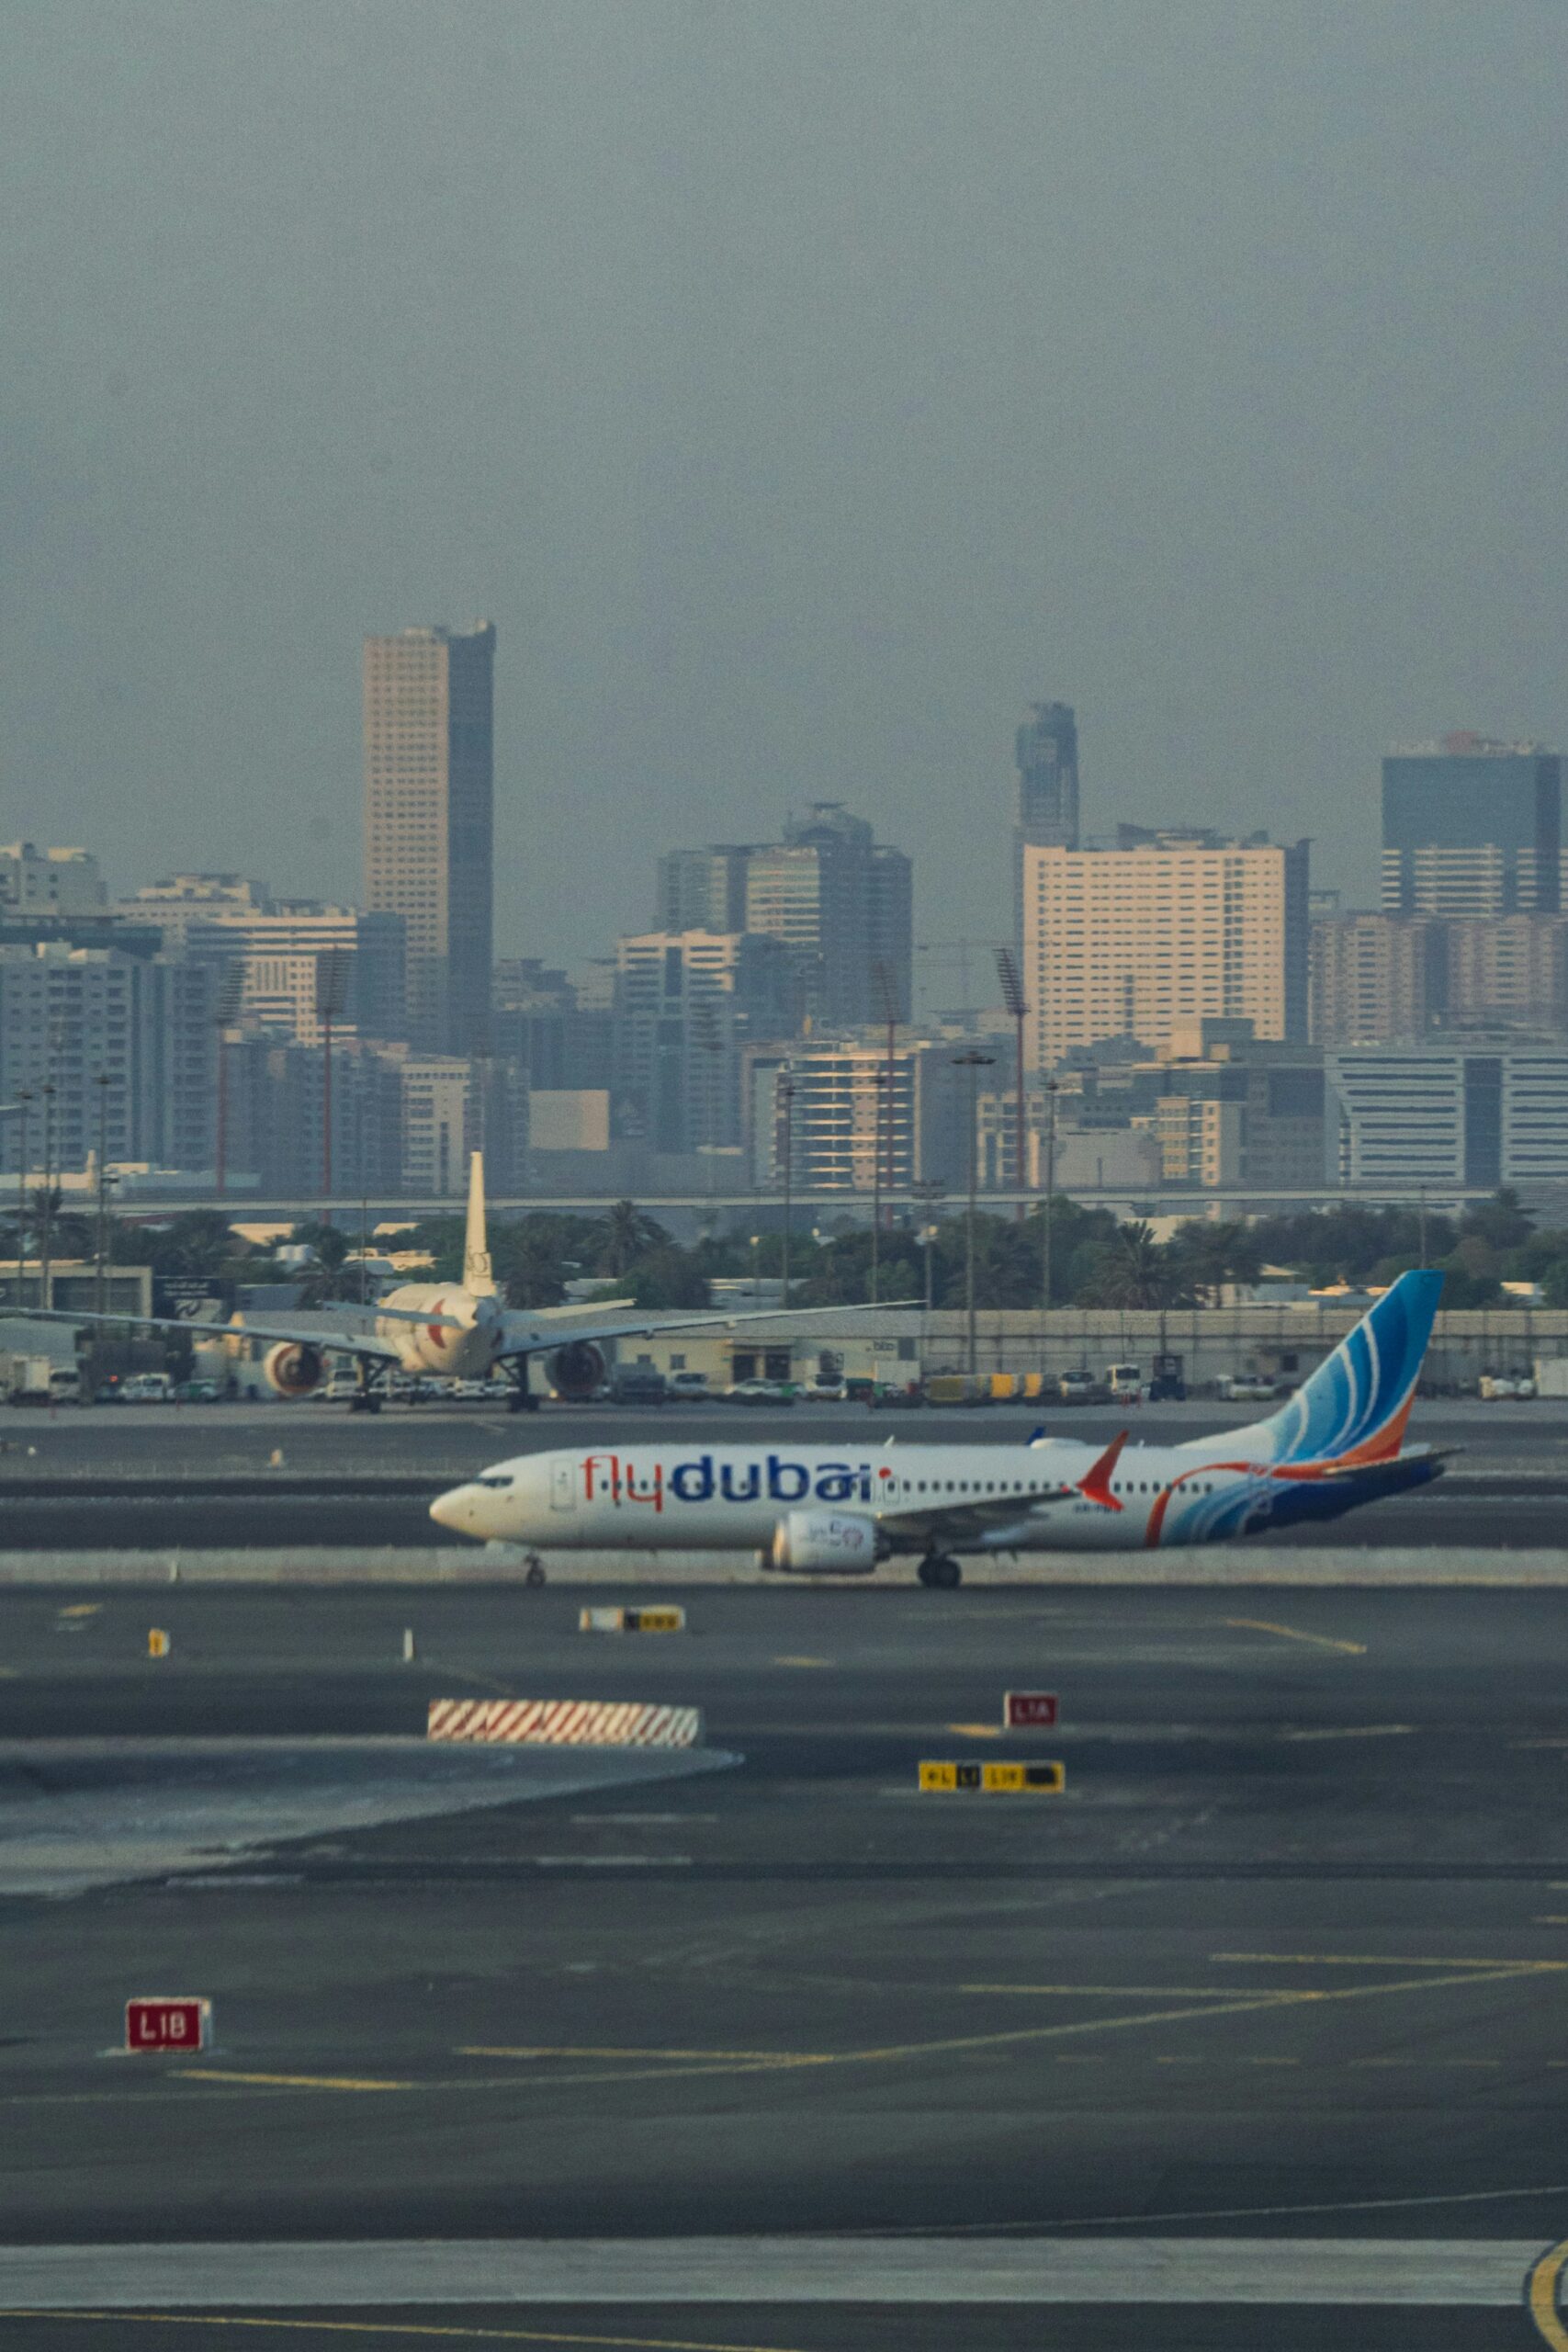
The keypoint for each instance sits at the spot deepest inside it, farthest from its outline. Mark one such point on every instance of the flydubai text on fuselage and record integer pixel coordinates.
(814, 1508)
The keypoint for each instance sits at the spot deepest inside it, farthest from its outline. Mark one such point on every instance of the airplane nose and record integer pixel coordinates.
(453, 1508)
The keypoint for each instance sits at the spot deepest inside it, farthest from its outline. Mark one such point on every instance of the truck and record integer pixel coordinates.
(1552, 1376)
(39, 1380)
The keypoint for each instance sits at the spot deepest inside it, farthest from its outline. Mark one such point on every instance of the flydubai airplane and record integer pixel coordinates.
(841, 1509)
(451, 1330)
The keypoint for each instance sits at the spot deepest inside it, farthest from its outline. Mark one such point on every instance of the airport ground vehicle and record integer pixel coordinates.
(1168, 1381)
(638, 1383)
(759, 1392)
(1082, 1388)
(39, 1380)
(689, 1385)
(147, 1388)
(838, 1511)
(1124, 1384)
(199, 1392)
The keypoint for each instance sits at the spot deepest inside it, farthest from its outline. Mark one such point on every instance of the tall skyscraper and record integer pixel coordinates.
(429, 821)
(703, 889)
(1046, 749)
(1471, 827)
(1173, 927)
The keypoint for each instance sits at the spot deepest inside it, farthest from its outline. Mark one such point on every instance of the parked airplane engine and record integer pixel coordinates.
(823, 1542)
(576, 1371)
(292, 1369)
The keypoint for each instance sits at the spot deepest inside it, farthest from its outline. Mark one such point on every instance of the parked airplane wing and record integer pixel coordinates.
(316, 1335)
(530, 1340)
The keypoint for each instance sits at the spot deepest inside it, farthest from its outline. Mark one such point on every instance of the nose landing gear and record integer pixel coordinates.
(532, 1571)
(941, 1571)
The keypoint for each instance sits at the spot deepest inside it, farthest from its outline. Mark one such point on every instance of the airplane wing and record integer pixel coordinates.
(348, 1343)
(521, 1338)
(960, 1522)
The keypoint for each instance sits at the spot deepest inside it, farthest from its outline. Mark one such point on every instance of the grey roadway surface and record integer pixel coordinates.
(1288, 1961)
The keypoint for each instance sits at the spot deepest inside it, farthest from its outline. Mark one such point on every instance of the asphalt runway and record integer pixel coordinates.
(447, 1441)
(1271, 2003)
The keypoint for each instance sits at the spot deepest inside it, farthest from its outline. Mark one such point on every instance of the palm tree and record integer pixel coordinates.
(625, 1234)
(1133, 1269)
(1210, 1255)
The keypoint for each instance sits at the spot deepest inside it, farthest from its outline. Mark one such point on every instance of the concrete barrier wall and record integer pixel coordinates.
(1218, 1565)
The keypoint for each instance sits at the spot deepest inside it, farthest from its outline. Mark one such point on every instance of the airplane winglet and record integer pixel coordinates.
(1095, 1484)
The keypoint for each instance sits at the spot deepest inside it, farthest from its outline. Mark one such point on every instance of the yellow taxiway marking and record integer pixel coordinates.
(292, 2082)
(400, 2328)
(1293, 1633)
(1351, 1731)
(1134, 1992)
(803, 1661)
(1383, 1960)
(975, 1731)
(1541, 2297)
(1538, 1743)
(722, 2057)
(81, 1608)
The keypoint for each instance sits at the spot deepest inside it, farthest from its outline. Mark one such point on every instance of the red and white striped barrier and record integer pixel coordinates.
(565, 1723)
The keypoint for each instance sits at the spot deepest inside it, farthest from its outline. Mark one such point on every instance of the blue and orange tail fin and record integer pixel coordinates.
(1353, 1408)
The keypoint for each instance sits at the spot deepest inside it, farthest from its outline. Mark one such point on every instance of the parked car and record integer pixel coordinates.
(1245, 1388)
(1082, 1388)
(689, 1385)
(147, 1388)
(759, 1392)
(199, 1392)
(826, 1388)
(638, 1383)
(1496, 1385)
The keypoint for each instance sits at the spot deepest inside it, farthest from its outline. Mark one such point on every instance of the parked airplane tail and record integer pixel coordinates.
(1353, 1408)
(478, 1274)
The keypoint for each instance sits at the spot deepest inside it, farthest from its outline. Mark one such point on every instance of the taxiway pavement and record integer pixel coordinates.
(1286, 1965)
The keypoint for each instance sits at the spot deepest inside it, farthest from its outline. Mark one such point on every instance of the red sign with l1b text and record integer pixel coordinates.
(1022, 1710)
(157, 2023)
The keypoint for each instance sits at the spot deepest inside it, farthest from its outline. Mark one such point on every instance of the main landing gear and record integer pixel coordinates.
(941, 1571)
(367, 1398)
(522, 1399)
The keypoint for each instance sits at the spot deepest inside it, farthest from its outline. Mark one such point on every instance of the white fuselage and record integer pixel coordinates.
(462, 1339)
(693, 1497)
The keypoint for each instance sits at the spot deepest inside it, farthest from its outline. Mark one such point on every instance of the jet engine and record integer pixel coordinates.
(823, 1542)
(293, 1369)
(576, 1371)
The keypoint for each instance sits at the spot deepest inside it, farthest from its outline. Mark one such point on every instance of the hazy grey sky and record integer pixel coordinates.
(800, 388)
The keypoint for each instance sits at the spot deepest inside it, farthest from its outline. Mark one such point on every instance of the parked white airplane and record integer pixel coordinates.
(837, 1509)
(451, 1330)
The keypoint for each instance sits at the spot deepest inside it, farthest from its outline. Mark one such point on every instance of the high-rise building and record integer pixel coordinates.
(703, 889)
(1512, 968)
(141, 1023)
(687, 1003)
(890, 934)
(50, 881)
(429, 821)
(1170, 926)
(1471, 827)
(1373, 977)
(1449, 1114)
(1046, 751)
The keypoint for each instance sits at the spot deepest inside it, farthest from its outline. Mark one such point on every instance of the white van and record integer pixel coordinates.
(147, 1388)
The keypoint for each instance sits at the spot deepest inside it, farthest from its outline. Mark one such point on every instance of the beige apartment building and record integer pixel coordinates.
(429, 824)
(1373, 977)
(1166, 927)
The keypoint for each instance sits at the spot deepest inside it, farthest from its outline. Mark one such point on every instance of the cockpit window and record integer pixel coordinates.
(499, 1478)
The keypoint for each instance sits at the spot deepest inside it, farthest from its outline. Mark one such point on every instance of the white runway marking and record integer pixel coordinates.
(1477, 2272)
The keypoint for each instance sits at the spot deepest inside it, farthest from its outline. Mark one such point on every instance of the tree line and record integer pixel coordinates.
(1095, 1260)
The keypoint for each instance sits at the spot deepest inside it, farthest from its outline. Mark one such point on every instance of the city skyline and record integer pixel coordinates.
(794, 435)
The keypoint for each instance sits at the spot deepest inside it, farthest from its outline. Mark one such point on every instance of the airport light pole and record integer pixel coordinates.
(46, 1216)
(1052, 1090)
(786, 1096)
(20, 1108)
(878, 1092)
(1012, 992)
(973, 1061)
(928, 1191)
